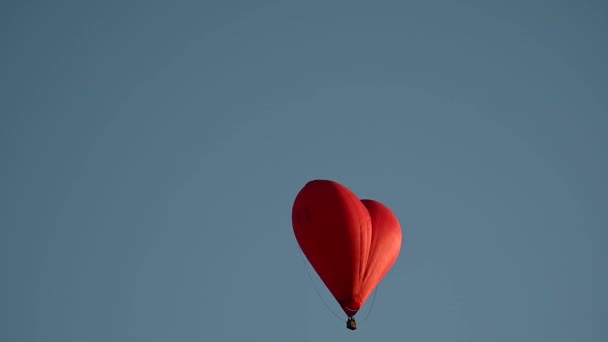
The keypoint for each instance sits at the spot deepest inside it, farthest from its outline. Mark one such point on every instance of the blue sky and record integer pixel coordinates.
(150, 153)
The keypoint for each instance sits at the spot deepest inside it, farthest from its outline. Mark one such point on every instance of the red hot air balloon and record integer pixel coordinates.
(350, 243)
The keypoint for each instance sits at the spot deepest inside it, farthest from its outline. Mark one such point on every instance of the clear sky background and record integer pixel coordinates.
(151, 151)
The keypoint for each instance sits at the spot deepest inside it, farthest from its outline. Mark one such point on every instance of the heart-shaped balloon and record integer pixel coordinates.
(350, 243)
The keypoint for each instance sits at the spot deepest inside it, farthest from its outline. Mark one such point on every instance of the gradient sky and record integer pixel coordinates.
(150, 152)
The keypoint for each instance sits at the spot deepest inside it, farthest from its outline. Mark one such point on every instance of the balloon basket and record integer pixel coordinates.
(351, 324)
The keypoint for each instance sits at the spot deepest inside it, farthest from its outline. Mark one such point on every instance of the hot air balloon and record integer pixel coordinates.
(350, 243)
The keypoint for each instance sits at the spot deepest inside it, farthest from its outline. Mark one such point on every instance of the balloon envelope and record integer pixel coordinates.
(350, 243)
